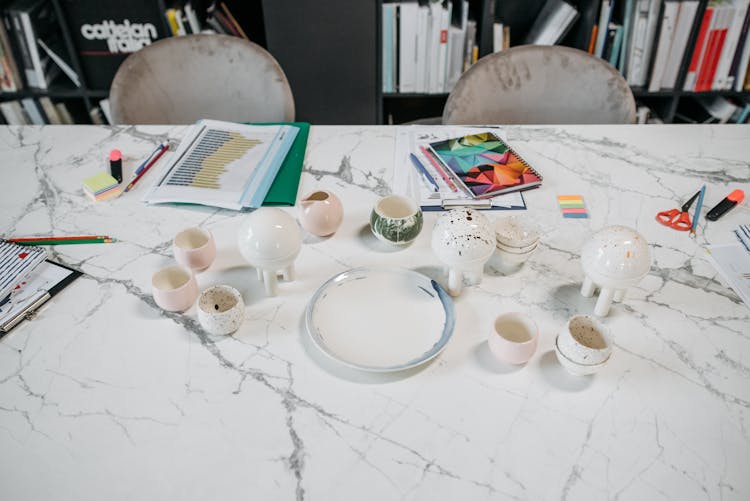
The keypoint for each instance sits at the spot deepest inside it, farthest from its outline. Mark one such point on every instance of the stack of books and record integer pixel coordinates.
(101, 187)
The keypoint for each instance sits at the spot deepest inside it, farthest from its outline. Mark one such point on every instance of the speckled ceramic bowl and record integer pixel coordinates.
(396, 219)
(221, 310)
(585, 340)
(575, 368)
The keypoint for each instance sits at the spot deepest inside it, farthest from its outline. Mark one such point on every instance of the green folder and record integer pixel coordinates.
(283, 190)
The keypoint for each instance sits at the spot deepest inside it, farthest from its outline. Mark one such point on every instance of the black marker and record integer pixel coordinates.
(722, 207)
(115, 164)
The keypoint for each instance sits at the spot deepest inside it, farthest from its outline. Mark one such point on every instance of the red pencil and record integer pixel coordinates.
(34, 239)
(438, 168)
(147, 167)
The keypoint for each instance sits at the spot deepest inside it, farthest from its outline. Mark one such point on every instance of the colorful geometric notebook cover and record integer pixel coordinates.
(484, 165)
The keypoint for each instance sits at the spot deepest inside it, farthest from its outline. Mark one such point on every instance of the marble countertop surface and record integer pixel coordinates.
(105, 396)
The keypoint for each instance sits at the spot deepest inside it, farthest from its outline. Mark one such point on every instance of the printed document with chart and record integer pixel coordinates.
(223, 164)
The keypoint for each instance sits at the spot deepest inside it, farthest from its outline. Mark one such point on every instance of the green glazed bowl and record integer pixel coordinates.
(396, 219)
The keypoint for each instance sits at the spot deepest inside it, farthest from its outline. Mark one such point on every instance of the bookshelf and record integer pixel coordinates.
(83, 102)
(331, 52)
(520, 15)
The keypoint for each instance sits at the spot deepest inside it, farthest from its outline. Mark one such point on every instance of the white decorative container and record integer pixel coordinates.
(615, 258)
(321, 213)
(221, 310)
(464, 240)
(270, 240)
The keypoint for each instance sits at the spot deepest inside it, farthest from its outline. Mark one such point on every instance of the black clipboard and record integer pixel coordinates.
(46, 281)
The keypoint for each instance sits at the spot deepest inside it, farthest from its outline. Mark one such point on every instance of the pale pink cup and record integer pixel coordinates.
(514, 338)
(194, 248)
(174, 288)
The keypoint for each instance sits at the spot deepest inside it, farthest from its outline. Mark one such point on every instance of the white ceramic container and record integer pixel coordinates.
(396, 219)
(575, 368)
(463, 240)
(516, 231)
(615, 258)
(585, 340)
(321, 213)
(221, 310)
(270, 240)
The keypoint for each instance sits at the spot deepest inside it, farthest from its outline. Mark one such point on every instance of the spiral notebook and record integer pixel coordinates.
(484, 165)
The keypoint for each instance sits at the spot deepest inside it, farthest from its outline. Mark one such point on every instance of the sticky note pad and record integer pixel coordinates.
(101, 186)
(572, 206)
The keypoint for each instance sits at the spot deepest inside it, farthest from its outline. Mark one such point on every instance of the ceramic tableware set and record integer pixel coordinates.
(463, 239)
(221, 309)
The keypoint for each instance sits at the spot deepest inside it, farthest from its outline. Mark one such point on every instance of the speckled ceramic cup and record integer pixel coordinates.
(174, 288)
(221, 309)
(584, 340)
(396, 219)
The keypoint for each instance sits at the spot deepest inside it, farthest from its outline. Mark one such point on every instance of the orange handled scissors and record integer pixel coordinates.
(678, 219)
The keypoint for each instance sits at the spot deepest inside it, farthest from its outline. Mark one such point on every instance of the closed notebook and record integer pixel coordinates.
(484, 165)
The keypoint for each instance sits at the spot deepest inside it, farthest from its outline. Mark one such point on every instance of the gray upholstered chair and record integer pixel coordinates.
(182, 79)
(540, 84)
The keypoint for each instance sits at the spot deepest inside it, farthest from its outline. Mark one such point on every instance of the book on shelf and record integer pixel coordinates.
(224, 164)
(60, 62)
(425, 46)
(10, 78)
(50, 111)
(552, 23)
(666, 35)
(738, 13)
(407, 47)
(644, 21)
(389, 35)
(602, 29)
(30, 20)
(104, 34)
(14, 113)
(677, 50)
(738, 66)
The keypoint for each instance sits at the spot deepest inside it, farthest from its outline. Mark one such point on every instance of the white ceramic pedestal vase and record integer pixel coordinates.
(270, 240)
(464, 240)
(616, 257)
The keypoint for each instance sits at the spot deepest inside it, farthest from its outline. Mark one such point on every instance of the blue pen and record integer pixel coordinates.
(145, 162)
(421, 169)
(697, 214)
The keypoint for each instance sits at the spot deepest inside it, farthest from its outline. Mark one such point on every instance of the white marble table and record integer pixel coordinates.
(104, 396)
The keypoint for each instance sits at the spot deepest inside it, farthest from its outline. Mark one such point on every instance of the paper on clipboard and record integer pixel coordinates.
(408, 181)
(40, 285)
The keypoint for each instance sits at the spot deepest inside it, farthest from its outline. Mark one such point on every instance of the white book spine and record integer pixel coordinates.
(423, 15)
(739, 81)
(601, 35)
(668, 22)
(685, 18)
(407, 60)
(638, 42)
(443, 54)
(721, 80)
(39, 81)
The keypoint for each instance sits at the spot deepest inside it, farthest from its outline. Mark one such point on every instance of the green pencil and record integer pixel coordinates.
(68, 242)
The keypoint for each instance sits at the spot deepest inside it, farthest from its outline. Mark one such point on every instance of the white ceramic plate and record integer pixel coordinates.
(380, 320)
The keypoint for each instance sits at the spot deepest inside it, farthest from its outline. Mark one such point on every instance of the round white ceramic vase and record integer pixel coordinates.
(270, 240)
(463, 239)
(615, 258)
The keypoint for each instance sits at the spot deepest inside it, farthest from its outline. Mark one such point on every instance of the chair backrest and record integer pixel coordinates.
(182, 79)
(537, 84)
